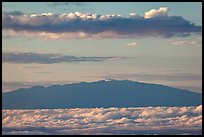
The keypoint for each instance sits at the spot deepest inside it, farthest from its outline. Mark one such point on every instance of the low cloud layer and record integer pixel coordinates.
(15, 57)
(142, 120)
(86, 25)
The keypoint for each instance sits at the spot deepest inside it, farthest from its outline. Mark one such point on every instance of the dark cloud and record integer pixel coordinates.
(13, 13)
(12, 57)
(85, 25)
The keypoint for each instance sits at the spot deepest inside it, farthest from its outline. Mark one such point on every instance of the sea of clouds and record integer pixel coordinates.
(140, 120)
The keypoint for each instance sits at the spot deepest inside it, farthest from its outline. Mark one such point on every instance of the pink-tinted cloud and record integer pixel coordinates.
(86, 25)
(141, 120)
(161, 12)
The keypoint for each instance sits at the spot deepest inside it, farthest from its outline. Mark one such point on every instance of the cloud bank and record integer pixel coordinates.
(15, 57)
(141, 120)
(86, 25)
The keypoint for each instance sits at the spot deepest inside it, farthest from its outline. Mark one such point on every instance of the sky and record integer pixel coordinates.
(68, 42)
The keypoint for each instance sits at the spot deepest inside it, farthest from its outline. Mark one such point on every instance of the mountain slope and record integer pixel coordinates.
(103, 93)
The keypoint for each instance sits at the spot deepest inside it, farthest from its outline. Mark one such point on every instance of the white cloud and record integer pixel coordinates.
(161, 12)
(132, 44)
(134, 15)
(187, 42)
(92, 25)
(141, 120)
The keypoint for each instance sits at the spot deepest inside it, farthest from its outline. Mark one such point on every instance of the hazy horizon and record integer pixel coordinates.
(27, 85)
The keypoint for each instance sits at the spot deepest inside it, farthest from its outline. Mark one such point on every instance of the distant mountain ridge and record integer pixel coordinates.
(104, 93)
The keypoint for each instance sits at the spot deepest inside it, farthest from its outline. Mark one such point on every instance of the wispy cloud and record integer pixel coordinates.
(187, 42)
(142, 120)
(66, 4)
(132, 44)
(85, 25)
(15, 57)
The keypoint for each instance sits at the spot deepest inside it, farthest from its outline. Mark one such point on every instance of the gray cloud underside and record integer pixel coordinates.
(12, 57)
(93, 24)
(142, 120)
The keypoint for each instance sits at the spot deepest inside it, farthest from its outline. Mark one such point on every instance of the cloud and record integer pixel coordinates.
(132, 44)
(141, 120)
(66, 4)
(15, 57)
(86, 25)
(134, 15)
(161, 12)
(14, 13)
(187, 43)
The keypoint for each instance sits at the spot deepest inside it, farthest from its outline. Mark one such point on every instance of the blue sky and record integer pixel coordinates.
(71, 54)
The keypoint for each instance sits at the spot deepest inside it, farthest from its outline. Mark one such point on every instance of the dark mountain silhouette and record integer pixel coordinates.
(111, 93)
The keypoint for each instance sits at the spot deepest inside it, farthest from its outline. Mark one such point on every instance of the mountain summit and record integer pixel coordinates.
(104, 93)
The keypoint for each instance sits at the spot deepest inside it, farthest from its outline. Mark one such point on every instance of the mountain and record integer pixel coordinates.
(104, 93)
